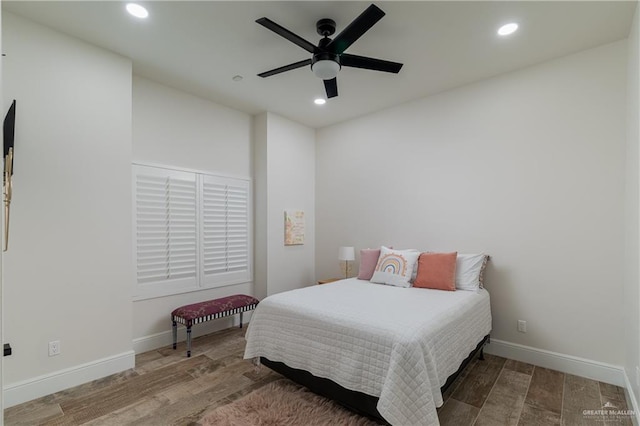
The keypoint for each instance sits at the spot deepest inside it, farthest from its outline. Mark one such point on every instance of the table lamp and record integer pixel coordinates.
(346, 254)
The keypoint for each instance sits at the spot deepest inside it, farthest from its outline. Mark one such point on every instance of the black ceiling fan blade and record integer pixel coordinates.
(289, 67)
(331, 87)
(369, 63)
(283, 32)
(355, 29)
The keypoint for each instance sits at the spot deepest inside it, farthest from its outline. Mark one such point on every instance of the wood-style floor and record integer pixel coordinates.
(166, 388)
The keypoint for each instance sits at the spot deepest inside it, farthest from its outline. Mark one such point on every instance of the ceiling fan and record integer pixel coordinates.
(329, 57)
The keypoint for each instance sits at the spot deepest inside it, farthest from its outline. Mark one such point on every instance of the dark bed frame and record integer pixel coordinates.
(359, 402)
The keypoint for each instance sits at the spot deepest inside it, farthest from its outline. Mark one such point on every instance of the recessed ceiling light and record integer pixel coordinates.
(137, 10)
(320, 101)
(508, 29)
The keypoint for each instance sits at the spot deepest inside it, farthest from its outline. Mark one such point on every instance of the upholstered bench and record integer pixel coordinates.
(197, 313)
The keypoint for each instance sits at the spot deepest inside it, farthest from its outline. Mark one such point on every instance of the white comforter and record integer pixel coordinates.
(399, 344)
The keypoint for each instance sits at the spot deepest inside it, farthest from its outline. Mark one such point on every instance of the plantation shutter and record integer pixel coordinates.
(224, 231)
(192, 231)
(166, 234)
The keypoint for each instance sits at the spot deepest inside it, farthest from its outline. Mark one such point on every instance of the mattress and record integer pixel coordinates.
(398, 344)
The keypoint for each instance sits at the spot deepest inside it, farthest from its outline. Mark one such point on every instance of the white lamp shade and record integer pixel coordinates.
(326, 69)
(346, 253)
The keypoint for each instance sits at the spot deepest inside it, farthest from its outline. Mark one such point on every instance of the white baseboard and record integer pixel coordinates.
(165, 338)
(154, 341)
(590, 369)
(17, 393)
(632, 403)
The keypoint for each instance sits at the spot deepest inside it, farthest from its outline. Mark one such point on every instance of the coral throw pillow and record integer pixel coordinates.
(368, 262)
(437, 271)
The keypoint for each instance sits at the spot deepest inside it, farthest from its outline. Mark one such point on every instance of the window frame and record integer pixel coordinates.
(151, 290)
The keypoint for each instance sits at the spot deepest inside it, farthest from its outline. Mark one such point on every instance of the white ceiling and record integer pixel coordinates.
(199, 46)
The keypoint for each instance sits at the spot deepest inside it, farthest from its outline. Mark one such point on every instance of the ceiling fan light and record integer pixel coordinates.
(325, 69)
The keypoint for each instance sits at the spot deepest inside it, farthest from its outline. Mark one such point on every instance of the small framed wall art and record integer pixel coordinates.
(293, 227)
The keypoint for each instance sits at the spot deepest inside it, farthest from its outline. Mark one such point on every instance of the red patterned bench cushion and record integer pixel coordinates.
(212, 309)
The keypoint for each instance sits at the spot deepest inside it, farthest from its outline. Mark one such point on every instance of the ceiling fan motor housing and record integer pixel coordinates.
(325, 56)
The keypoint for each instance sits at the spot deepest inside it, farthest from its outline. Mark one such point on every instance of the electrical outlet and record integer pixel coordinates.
(522, 326)
(54, 348)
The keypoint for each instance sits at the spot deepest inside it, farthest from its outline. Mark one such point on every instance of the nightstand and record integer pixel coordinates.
(330, 280)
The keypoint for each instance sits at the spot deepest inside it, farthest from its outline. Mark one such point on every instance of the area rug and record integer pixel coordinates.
(283, 403)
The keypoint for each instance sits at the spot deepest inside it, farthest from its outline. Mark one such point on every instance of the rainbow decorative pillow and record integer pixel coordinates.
(395, 267)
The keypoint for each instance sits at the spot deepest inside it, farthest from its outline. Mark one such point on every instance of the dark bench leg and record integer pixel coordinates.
(481, 357)
(241, 319)
(175, 334)
(189, 341)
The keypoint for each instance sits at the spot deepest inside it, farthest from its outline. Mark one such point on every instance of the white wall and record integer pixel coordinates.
(68, 270)
(527, 167)
(1, 237)
(291, 186)
(632, 212)
(284, 167)
(173, 128)
(261, 206)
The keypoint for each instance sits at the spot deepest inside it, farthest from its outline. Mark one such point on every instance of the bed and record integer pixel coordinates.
(398, 346)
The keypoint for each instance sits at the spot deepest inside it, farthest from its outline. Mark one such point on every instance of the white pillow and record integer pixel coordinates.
(395, 267)
(469, 268)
